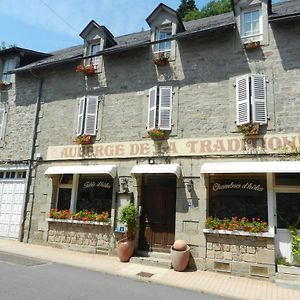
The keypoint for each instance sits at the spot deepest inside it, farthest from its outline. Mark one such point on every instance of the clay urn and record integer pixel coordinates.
(180, 255)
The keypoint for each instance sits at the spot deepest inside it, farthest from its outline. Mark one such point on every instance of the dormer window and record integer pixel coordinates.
(251, 25)
(8, 65)
(162, 33)
(94, 49)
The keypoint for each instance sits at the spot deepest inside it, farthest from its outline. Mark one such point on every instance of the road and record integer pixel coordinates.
(28, 278)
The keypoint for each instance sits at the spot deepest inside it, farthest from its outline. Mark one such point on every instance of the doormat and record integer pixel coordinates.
(145, 274)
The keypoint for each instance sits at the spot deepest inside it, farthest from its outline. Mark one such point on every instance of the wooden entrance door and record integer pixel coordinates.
(157, 224)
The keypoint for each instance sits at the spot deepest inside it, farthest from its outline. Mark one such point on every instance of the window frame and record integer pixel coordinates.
(96, 59)
(87, 112)
(252, 36)
(157, 37)
(159, 109)
(251, 99)
(8, 65)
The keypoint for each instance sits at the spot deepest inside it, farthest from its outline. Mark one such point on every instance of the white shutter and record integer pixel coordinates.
(79, 128)
(9, 65)
(90, 123)
(152, 108)
(165, 107)
(242, 100)
(259, 99)
(2, 112)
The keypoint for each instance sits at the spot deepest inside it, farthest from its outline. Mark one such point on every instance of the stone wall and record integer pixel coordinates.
(240, 254)
(79, 236)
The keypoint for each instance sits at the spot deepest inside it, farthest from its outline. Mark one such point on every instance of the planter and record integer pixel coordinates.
(180, 259)
(251, 45)
(161, 62)
(125, 249)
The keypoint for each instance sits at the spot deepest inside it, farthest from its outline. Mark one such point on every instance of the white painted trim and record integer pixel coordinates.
(239, 232)
(78, 222)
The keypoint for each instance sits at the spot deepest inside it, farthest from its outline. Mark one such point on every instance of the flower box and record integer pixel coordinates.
(249, 129)
(156, 134)
(161, 59)
(3, 85)
(251, 45)
(84, 139)
(87, 70)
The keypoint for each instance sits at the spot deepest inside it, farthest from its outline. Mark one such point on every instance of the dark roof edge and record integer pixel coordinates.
(274, 18)
(28, 51)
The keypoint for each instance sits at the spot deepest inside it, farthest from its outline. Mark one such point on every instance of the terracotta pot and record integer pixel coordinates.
(125, 249)
(180, 259)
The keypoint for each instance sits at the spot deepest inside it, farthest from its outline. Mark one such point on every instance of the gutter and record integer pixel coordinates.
(28, 180)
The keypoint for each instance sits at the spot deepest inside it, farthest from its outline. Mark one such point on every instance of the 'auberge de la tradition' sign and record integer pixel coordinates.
(179, 147)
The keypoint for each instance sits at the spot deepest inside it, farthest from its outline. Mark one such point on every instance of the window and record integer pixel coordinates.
(162, 33)
(94, 49)
(64, 192)
(251, 24)
(8, 65)
(2, 117)
(291, 179)
(94, 193)
(160, 108)
(238, 195)
(251, 99)
(87, 115)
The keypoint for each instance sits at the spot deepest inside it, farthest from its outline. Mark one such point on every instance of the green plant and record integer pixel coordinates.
(295, 238)
(249, 129)
(234, 223)
(282, 261)
(82, 215)
(161, 58)
(155, 133)
(128, 216)
(84, 139)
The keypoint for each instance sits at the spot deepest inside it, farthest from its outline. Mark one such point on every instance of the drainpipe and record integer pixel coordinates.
(30, 163)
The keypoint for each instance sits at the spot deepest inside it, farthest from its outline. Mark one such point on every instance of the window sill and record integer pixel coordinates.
(78, 222)
(239, 233)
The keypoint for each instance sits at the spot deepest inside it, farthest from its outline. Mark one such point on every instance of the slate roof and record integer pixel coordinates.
(142, 39)
(285, 10)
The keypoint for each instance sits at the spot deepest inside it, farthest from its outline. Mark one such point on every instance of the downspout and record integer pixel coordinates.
(30, 164)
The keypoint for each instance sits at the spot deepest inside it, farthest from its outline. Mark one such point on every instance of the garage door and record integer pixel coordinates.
(12, 194)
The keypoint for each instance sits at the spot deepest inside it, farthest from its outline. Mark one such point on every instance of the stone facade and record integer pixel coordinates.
(202, 75)
(240, 254)
(94, 238)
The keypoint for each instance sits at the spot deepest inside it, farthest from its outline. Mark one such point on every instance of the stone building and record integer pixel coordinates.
(221, 93)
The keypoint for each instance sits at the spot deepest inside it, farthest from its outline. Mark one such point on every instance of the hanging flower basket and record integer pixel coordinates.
(251, 45)
(156, 134)
(249, 129)
(161, 59)
(87, 70)
(84, 139)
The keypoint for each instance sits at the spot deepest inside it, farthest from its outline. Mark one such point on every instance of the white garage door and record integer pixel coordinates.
(12, 194)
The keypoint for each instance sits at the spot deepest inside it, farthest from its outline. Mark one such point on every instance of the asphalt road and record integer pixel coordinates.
(27, 278)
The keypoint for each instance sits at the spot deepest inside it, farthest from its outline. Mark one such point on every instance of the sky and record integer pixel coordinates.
(49, 25)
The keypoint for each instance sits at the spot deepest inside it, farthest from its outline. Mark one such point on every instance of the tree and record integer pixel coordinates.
(4, 46)
(185, 7)
(212, 8)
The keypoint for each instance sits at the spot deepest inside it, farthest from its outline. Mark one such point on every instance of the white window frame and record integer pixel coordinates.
(162, 46)
(94, 60)
(157, 111)
(8, 65)
(87, 112)
(2, 121)
(253, 36)
(254, 101)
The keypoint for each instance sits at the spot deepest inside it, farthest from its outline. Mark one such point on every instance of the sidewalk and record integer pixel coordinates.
(207, 282)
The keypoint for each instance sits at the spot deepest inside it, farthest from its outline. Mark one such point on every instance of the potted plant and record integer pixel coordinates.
(249, 129)
(87, 70)
(84, 139)
(125, 246)
(161, 59)
(155, 134)
(180, 255)
(251, 45)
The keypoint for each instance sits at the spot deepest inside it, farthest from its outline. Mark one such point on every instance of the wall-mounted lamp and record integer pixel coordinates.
(190, 185)
(124, 184)
(151, 161)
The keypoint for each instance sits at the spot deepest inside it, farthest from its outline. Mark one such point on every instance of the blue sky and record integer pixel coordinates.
(48, 25)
